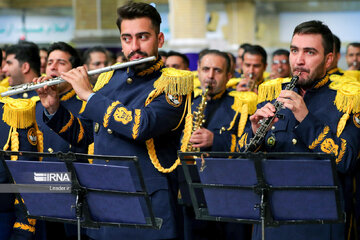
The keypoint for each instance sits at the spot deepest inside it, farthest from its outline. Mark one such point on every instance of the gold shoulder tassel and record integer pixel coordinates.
(269, 90)
(347, 99)
(244, 103)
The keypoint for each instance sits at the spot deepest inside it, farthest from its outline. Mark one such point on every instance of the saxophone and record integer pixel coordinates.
(259, 136)
(199, 118)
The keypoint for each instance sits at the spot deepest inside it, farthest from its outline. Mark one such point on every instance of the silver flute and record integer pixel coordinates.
(26, 87)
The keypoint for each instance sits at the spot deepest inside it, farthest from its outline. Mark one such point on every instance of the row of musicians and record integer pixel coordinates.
(226, 112)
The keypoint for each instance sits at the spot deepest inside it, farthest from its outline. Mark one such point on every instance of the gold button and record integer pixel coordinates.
(96, 127)
(273, 128)
(294, 141)
(25, 95)
(50, 150)
(109, 131)
(129, 81)
(106, 160)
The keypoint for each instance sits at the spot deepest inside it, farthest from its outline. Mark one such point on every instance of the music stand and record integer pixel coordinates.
(92, 195)
(271, 188)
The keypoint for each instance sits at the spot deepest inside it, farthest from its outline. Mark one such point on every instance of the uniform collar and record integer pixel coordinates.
(66, 96)
(219, 95)
(321, 82)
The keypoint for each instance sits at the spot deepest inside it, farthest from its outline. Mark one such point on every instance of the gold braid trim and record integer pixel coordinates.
(152, 69)
(320, 137)
(108, 113)
(91, 152)
(323, 81)
(102, 80)
(135, 130)
(187, 129)
(243, 140)
(243, 119)
(81, 133)
(14, 143)
(68, 124)
(24, 227)
(6, 146)
(153, 94)
(155, 161)
(342, 150)
(174, 82)
(40, 138)
(68, 95)
(233, 143)
(233, 82)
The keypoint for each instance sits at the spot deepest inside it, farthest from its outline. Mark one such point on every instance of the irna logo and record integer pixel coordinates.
(52, 177)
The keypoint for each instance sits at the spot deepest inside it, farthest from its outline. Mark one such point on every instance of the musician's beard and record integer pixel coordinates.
(308, 81)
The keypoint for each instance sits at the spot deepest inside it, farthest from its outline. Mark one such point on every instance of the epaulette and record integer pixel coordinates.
(245, 104)
(233, 82)
(269, 90)
(20, 113)
(347, 98)
(353, 74)
(174, 82)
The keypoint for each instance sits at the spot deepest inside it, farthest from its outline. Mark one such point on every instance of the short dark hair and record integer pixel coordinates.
(86, 55)
(256, 50)
(133, 10)
(337, 44)
(163, 53)
(62, 46)
(244, 45)
(317, 27)
(281, 52)
(183, 57)
(26, 52)
(353, 44)
(218, 53)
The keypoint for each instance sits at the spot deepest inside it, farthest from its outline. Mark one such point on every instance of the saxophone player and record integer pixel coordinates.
(213, 73)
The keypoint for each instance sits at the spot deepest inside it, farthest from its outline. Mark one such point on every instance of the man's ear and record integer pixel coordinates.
(25, 67)
(329, 59)
(161, 40)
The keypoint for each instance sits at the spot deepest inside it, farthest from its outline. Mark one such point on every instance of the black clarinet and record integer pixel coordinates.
(259, 136)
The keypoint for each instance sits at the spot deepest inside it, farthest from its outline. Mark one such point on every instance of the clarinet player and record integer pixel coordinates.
(310, 121)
